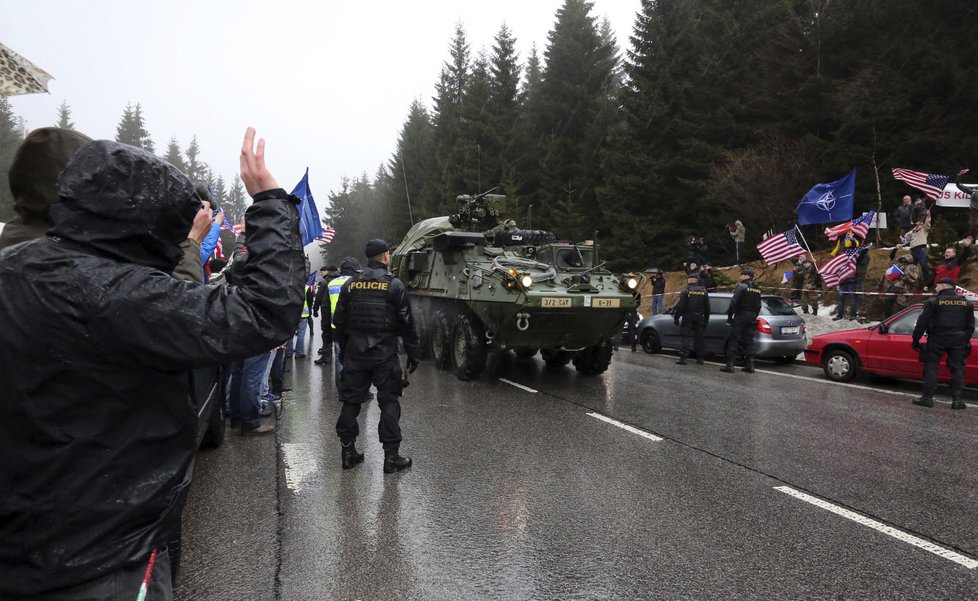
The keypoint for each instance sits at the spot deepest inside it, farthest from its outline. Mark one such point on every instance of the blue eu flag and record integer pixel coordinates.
(310, 227)
(829, 202)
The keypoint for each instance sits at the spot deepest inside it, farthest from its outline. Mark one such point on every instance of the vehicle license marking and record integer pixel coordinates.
(607, 303)
(555, 303)
(879, 526)
(791, 330)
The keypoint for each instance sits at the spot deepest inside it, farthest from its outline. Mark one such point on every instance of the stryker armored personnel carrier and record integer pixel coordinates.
(479, 283)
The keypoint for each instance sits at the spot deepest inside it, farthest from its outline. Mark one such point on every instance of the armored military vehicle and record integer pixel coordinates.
(479, 283)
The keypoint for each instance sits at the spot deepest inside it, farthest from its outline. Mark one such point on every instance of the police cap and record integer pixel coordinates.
(376, 247)
(747, 272)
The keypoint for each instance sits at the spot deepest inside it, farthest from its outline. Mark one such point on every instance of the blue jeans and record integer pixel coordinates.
(249, 391)
(300, 342)
(919, 254)
(846, 292)
(657, 306)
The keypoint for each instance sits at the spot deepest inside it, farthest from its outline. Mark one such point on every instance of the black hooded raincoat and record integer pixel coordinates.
(96, 427)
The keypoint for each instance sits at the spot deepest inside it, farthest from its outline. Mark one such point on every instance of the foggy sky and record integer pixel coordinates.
(328, 84)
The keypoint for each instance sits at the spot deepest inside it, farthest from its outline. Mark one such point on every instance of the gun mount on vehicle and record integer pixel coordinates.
(479, 283)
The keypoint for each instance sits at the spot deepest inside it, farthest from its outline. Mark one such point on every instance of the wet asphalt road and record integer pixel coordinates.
(521, 493)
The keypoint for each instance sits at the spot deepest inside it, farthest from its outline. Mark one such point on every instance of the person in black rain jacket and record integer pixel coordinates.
(948, 320)
(693, 308)
(372, 312)
(96, 425)
(742, 317)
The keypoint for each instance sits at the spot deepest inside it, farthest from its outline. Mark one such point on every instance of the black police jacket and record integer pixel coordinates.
(372, 311)
(97, 430)
(946, 316)
(694, 300)
(746, 300)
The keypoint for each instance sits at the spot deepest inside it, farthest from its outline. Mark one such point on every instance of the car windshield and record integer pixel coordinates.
(776, 306)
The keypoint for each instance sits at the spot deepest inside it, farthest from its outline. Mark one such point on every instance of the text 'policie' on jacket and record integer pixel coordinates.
(96, 426)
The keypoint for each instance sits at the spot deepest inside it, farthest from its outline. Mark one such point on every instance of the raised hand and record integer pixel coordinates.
(254, 174)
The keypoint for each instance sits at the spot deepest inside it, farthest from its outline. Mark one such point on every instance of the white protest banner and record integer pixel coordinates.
(952, 196)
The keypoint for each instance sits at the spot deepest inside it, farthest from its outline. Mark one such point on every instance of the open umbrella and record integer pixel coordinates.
(19, 75)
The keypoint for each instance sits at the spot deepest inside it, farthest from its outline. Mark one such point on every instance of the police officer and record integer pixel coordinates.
(693, 308)
(949, 321)
(371, 313)
(742, 315)
(321, 302)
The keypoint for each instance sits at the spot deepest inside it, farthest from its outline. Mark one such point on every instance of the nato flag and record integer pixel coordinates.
(310, 227)
(826, 203)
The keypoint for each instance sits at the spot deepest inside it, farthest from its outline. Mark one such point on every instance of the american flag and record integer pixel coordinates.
(858, 226)
(840, 268)
(237, 228)
(931, 183)
(327, 236)
(780, 247)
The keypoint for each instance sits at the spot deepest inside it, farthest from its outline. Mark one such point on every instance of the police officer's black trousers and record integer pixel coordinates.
(956, 352)
(354, 387)
(692, 333)
(742, 337)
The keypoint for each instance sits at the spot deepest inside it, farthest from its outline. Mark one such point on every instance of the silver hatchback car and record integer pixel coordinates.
(780, 331)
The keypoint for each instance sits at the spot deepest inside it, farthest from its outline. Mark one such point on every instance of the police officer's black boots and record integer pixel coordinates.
(350, 456)
(957, 403)
(749, 365)
(924, 401)
(728, 367)
(393, 462)
(682, 360)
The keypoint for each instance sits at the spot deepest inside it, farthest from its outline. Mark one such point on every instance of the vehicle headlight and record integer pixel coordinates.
(526, 280)
(632, 283)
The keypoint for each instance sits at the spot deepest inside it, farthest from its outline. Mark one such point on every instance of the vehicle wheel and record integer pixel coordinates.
(469, 349)
(649, 341)
(421, 331)
(555, 357)
(839, 365)
(440, 352)
(593, 360)
(524, 352)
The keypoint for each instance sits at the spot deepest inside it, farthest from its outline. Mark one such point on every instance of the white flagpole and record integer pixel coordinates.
(798, 229)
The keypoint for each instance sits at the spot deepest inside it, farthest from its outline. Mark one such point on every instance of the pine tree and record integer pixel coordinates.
(221, 194)
(10, 139)
(132, 129)
(448, 141)
(569, 119)
(404, 183)
(173, 155)
(64, 116)
(236, 202)
(196, 170)
(502, 146)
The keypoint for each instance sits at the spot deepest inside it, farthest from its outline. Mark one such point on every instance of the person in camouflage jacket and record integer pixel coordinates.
(810, 283)
(899, 290)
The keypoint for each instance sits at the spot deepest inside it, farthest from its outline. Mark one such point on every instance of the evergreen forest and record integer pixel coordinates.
(706, 112)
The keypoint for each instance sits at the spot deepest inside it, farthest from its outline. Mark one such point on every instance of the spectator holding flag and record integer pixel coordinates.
(916, 241)
(897, 284)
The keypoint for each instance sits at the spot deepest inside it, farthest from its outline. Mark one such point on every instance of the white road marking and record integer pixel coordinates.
(631, 429)
(888, 530)
(301, 461)
(520, 386)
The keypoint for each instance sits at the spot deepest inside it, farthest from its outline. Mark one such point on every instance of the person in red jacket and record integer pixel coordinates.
(951, 267)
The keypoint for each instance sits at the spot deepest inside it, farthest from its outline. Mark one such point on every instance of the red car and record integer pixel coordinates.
(883, 349)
